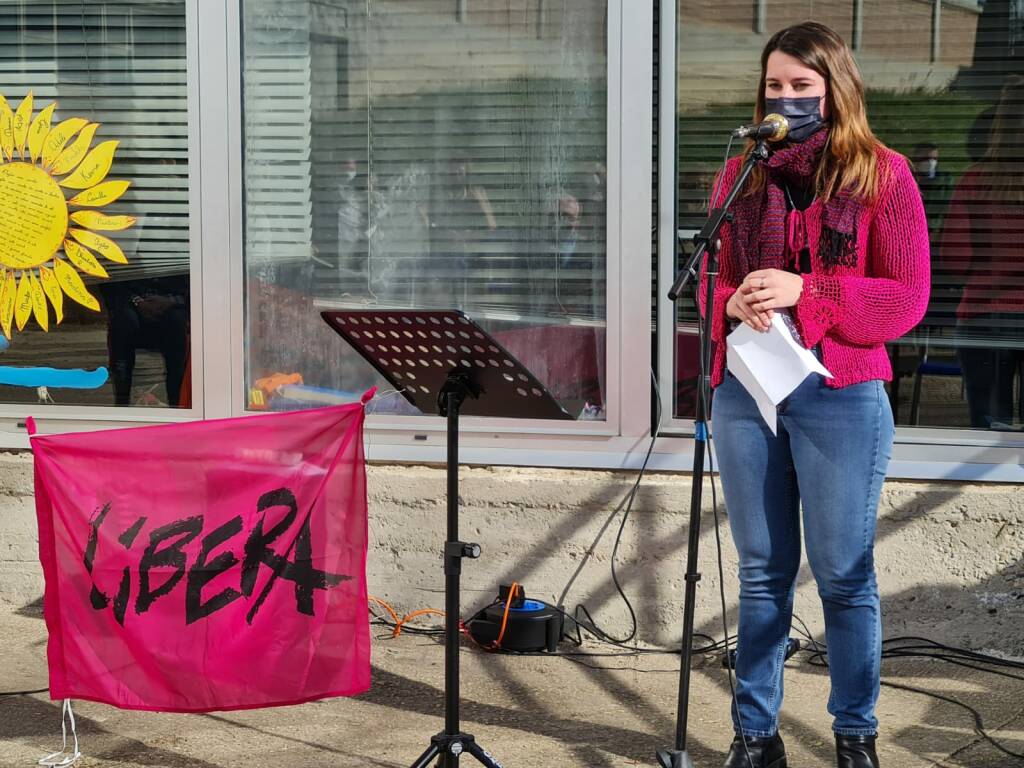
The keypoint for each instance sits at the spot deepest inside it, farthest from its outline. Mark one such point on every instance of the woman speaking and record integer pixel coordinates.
(831, 229)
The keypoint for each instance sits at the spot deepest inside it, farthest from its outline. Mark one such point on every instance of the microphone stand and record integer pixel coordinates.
(707, 242)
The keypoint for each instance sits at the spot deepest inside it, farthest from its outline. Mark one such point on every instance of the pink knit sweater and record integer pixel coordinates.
(850, 311)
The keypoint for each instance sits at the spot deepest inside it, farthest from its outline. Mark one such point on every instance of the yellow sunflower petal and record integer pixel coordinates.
(22, 120)
(102, 222)
(7, 302)
(101, 194)
(38, 303)
(23, 302)
(74, 153)
(6, 129)
(102, 245)
(83, 259)
(73, 286)
(52, 290)
(37, 133)
(59, 137)
(94, 168)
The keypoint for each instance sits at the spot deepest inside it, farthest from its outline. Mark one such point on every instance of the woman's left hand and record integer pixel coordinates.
(771, 289)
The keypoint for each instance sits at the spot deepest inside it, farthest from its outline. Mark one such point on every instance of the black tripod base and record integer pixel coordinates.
(447, 748)
(674, 758)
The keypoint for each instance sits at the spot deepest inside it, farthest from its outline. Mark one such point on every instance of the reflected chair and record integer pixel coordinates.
(928, 367)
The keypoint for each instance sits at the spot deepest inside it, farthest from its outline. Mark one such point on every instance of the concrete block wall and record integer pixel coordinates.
(949, 555)
(21, 578)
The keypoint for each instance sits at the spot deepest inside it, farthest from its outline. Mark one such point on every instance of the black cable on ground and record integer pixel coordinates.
(979, 724)
(924, 648)
(592, 626)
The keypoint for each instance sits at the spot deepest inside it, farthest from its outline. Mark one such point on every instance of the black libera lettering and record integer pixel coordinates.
(271, 552)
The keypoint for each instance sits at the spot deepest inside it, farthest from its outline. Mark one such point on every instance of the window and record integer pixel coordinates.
(95, 292)
(944, 87)
(424, 155)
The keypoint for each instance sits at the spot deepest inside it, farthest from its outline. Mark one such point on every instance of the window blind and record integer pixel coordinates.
(477, 141)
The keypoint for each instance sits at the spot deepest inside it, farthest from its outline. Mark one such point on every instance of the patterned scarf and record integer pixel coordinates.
(759, 221)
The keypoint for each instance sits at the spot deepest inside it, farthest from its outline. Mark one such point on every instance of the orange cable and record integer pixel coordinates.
(512, 592)
(388, 608)
(400, 622)
(410, 616)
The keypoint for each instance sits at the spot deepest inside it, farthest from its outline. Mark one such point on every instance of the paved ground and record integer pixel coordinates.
(529, 712)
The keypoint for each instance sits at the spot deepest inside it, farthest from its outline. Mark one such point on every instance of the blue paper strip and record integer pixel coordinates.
(67, 378)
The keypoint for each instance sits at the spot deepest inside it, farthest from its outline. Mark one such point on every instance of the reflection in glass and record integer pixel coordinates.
(981, 249)
(148, 314)
(403, 155)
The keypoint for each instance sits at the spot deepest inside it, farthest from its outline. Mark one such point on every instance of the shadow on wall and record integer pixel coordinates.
(33, 610)
(972, 613)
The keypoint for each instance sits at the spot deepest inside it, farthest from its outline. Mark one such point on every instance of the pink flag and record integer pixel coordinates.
(208, 565)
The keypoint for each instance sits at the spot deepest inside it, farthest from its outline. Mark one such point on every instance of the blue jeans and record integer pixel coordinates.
(831, 453)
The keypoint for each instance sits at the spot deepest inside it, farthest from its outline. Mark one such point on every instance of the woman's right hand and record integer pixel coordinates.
(738, 309)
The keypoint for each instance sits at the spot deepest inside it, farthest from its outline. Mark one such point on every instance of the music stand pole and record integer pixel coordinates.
(452, 566)
(707, 242)
(450, 744)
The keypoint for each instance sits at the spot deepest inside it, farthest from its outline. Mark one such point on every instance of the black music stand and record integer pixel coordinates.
(443, 360)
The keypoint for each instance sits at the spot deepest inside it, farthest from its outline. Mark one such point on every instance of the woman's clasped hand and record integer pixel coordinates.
(761, 292)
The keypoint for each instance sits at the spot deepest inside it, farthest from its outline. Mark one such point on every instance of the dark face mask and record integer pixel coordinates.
(803, 114)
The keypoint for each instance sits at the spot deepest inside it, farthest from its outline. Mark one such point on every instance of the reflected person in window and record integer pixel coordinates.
(981, 249)
(576, 270)
(461, 220)
(351, 224)
(832, 230)
(151, 314)
(936, 185)
(568, 229)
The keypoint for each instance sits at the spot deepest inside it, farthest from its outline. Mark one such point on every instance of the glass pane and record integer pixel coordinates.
(415, 155)
(944, 87)
(94, 261)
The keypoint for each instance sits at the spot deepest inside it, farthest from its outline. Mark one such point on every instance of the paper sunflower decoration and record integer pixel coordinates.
(39, 224)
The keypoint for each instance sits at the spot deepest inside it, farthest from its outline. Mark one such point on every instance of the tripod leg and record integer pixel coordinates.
(423, 761)
(672, 758)
(482, 756)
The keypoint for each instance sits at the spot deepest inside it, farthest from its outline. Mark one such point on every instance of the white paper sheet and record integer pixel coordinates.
(770, 365)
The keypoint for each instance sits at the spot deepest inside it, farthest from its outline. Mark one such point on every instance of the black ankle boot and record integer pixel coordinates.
(856, 752)
(764, 753)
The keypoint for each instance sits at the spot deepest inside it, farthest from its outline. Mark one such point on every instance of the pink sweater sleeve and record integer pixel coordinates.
(893, 295)
(725, 283)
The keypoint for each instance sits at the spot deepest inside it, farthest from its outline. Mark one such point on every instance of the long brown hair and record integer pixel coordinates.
(849, 161)
(1004, 150)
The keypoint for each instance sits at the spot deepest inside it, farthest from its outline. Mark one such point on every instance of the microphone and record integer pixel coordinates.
(773, 128)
